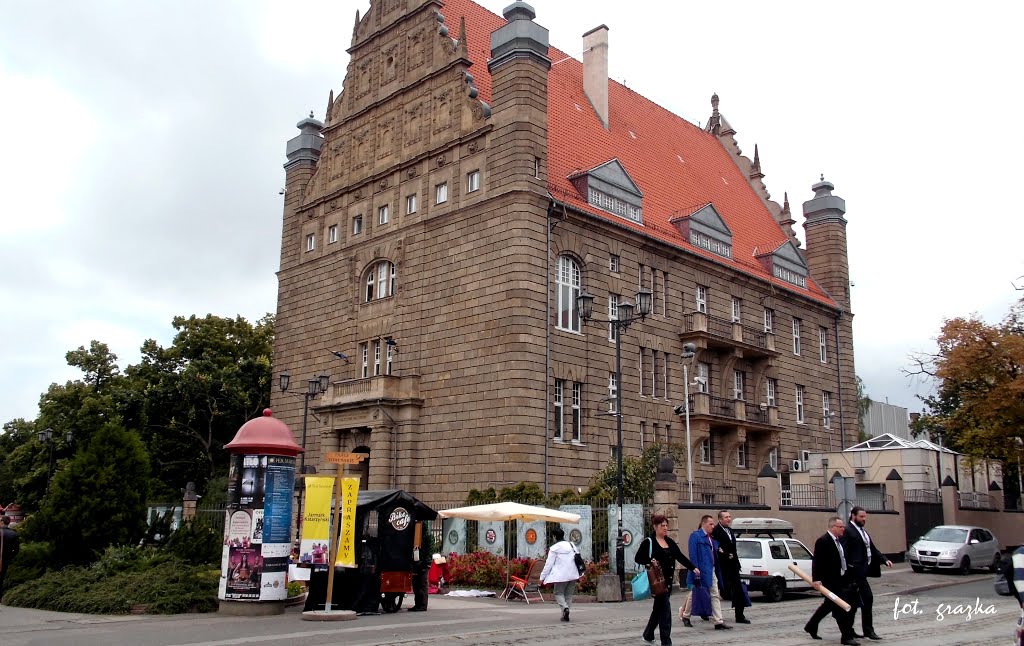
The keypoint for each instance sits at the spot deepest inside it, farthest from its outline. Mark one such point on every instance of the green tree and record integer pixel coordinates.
(99, 499)
(863, 406)
(98, 363)
(637, 474)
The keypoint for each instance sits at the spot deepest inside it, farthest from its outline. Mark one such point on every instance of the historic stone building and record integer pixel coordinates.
(467, 183)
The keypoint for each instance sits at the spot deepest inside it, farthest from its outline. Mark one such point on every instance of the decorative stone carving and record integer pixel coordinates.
(415, 47)
(441, 161)
(412, 172)
(443, 110)
(414, 122)
(384, 183)
(472, 147)
(385, 138)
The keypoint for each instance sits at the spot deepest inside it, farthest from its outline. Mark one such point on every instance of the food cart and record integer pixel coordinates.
(386, 521)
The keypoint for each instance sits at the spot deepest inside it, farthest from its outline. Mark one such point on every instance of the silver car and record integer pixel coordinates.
(956, 547)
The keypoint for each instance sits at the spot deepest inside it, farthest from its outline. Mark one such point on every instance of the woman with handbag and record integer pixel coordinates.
(561, 570)
(660, 554)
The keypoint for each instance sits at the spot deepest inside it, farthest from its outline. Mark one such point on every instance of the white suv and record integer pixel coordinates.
(766, 548)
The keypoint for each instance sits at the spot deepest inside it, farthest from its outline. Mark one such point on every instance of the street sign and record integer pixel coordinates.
(335, 457)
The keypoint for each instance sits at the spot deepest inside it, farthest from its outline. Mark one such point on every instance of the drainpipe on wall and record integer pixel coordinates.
(839, 388)
(547, 343)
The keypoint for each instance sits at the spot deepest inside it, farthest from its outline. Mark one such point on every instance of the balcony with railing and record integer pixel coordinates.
(721, 334)
(725, 412)
(389, 388)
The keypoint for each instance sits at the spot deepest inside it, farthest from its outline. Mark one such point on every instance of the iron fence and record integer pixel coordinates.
(874, 501)
(923, 495)
(736, 494)
(719, 327)
(723, 407)
(974, 500)
(808, 495)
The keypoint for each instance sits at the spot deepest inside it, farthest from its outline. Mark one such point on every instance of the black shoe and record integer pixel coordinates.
(742, 620)
(870, 634)
(686, 622)
(723, 627)
(812, 633)
(849, 641)
(857, 635)
(418, 609)
(565, 614)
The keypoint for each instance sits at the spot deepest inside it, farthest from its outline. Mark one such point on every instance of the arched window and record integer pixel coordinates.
(568, 278)
(380, 281)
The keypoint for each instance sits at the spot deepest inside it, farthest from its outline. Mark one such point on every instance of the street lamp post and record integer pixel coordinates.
(689, 351)
(314, 388)
(623, 319)
(46, 437)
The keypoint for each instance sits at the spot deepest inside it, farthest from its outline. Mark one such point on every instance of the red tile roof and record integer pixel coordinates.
(678, 167)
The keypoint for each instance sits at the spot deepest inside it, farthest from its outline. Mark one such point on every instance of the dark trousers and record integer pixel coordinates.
(732, 588)
(419, 588)
(3, 575)
(866, 598)
(848, 593)
(661, 617)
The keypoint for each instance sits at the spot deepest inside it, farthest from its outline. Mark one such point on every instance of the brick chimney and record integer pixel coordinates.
(595, 70)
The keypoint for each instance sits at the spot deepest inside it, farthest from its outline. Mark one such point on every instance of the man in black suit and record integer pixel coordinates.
(732, 587)
(829, 569)
(865, 559)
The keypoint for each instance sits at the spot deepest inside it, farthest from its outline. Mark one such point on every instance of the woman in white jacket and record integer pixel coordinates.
(560, 569)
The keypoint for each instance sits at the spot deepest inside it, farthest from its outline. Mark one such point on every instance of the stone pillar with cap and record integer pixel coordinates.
(257, 528)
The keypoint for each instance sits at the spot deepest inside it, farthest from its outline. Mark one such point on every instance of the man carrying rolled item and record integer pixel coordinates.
(829, 570)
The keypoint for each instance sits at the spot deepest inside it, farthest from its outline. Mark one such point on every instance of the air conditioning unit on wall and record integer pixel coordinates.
(797, 466)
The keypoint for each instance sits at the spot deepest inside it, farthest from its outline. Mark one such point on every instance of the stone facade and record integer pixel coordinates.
(458, 398)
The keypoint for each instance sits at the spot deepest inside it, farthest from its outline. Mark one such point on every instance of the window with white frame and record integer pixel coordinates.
(654, 290)
(568, 280)
(382, 215)
(310, 241)
(410, 203)
(704, 450)
(702, 299)
(773, 459)
(742, 451)
(737, 384)
(376, 357)
(799, 404)
(473, 181)
(577, 412)
(641, 371)
(536, 166)
(332, 234)
(665, 375)
(613, 263)
(380, 281)
(613, 314)
(823, 344)
(656, 368)
(643, 434)
(364, 353)
(796, 336)
(613, 392)
(769, 320)
(390, 358)
(664, 293)
(703, 377)
(737, 310)
(559, 409)
(771, 384)
(357, 225)
(826, 409)
(441, 193)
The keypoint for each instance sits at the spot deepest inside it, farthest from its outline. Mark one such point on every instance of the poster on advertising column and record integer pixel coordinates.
(244, 563)
(347, 538)
(273, 525)
(316, 521)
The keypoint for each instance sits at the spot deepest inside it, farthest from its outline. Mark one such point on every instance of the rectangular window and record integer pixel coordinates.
(705, 451)
(643, 434)
(668, 433)
(703, 377)
(826, 409)
(613, 314)
(741, 454)
(410, 203)
(357, 225)
(376, 358)
(441, 193)
(558, 409)
(665, 375)
(613, 263)
(382, 215)
(577, 412)
(769, 320)
(664, 293)
(796, 336)
(641, 372)
(390, 358)
(364, 354)
(536, 166)
(654, 373)
(332, 234)
(310, 242)
(737, 310)
(823, 344)
(737, 384)
(473, 181)
(799, 404)
(771, 385)
(702, 299)
(773, 459)
(613, 392)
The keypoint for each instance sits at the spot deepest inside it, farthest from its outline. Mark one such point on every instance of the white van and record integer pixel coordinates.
(766, 548)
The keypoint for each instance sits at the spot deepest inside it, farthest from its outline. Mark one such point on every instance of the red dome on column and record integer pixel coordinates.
(265, 435)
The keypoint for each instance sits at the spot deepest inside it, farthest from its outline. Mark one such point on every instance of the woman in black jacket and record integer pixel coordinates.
(667, 553)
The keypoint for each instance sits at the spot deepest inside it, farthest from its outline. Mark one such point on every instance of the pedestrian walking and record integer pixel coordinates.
(865, 559)
(1015, 577)
(731, 583)
(420, 569)
(829, 569)
(560, 569)
(9, 546)
(704, 554)
(663, 549)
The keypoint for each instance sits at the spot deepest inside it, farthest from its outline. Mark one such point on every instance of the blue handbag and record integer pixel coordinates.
(641, 584)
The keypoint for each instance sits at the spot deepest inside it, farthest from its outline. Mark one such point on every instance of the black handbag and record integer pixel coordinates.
(581, 565)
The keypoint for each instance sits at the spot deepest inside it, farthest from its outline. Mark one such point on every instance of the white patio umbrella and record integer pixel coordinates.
(502, 511)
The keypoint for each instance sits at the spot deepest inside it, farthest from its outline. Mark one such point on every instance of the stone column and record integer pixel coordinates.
(666, 492)
(380, 457)
(188, 503)
(330, 441)
(768, 483)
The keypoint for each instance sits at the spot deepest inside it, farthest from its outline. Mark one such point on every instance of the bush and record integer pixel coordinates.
(31, 563)
(483, 570)
(123, 578)
(195, 542)
(588, 582)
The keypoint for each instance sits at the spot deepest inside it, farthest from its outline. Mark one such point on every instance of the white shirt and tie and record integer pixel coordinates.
(867, 541)
(842, 554)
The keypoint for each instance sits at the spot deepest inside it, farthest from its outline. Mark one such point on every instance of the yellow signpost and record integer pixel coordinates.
(336, 457)
(346, 495)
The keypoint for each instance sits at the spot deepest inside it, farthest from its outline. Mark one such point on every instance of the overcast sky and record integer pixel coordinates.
(141, 146)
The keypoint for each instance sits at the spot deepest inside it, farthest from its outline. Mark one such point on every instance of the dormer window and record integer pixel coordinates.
(705, 228)
(610, 188)
(786, 263)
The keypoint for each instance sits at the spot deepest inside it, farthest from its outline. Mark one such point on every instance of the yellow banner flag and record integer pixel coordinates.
(316, 521)
(347, 541)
